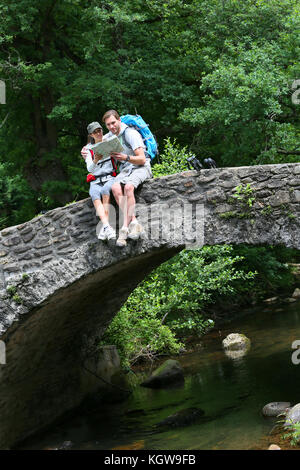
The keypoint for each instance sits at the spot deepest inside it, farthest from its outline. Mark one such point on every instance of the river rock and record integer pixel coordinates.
(236, 342)
(292, 416)
(275, 408)
(182, 418)
(66, 445)
(274, 447)
(271, 300)
(236, 345)
(290, 300)
(168, 373)
(296, 293)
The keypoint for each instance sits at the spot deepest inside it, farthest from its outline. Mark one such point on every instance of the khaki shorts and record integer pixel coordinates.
(97, 190)
(136, 177)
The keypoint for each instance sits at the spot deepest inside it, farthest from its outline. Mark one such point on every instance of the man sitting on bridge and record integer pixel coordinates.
(134, 169)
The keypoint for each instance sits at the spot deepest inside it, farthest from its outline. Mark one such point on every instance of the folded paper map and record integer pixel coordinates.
(107, 146)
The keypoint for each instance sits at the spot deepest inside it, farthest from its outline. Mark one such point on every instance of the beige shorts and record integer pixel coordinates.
(136, 177)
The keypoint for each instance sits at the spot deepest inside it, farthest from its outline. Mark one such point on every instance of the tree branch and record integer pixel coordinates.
(4, 120)
(289, 152)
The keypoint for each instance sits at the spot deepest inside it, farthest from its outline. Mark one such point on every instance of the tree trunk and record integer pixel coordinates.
(40, 168)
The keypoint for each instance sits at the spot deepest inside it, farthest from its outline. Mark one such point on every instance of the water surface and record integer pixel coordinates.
(230, 392)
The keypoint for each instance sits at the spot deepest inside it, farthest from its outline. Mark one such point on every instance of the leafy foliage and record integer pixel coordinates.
(16, 197)
(216, 75)
(172, 300)
(271, 265)
(173, 159)
(177, 298)
(293, 435)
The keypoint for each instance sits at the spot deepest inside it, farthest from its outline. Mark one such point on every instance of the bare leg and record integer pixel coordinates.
(100, 211)
(121, 201)
(105, 202)
(129, 194)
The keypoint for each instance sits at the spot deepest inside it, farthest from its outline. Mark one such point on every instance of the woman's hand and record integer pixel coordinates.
(97, 157)
(85, 152)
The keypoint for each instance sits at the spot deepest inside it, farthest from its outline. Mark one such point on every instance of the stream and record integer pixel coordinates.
(231, 393)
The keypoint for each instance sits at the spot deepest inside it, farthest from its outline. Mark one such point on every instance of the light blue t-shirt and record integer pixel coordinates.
(133, 141)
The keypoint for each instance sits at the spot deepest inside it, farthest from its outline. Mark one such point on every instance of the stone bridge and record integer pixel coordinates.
(60, 287)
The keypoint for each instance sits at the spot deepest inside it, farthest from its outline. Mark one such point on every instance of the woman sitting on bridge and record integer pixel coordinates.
(101, 179)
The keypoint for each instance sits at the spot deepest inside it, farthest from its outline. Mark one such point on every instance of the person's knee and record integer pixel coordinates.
(97, 201)
(128, 189)
(105, 198)
(116, 189)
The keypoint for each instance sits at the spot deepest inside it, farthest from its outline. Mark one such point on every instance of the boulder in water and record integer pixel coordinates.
(236, 342)
(182, 418)
(274, 447)
(168, 373)
(275, 408)
(271, 300)
(236, 345)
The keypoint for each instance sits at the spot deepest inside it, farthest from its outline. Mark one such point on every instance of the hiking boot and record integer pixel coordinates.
(135, 230)
(107, 233)
(123, 233)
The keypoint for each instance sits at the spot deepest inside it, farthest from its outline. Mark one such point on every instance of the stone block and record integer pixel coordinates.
(296, 196)
(215, 195)
(276, 183)
(297, 169)
(12, 241)
(42, 243)
(28, 236)
(281, 197)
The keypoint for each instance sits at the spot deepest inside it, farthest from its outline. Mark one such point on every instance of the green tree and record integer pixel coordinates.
(216, 75)
(247, 54)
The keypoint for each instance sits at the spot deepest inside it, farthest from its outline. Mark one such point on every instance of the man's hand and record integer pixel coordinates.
(121, 157)
(137, 159)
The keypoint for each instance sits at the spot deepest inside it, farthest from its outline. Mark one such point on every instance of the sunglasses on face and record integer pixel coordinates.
(97, 131)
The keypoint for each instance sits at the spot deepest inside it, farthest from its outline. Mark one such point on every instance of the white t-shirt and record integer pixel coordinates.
(102, 168)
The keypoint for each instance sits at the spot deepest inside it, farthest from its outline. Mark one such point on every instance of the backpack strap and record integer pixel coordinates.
(124, 138)
(115, 167)
(144, 140)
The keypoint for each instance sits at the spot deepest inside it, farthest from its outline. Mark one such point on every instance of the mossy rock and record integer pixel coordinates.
(168, 373)
(182, 418)
(236, 342)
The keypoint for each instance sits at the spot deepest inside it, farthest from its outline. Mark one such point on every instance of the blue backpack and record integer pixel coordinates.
(137, 122)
